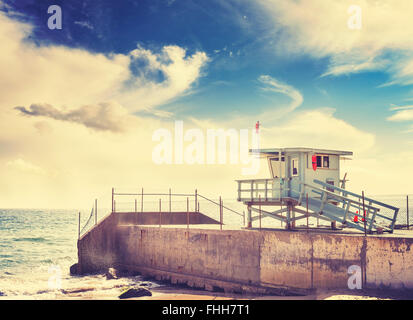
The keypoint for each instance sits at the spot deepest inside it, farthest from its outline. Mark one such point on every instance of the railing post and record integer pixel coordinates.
(142, 202)
(136, 211)
(306, 196)
(160, 213)
(364, 215)
(252, 190)
(170, 201)
(266, 190)
(96, 211)
(78, 236)
(259, 208)
(187, 212)
(243, 218)
(407, 211)
(113, 198)
(281, 207)
(220, 212)
(114, 205)
(196, 199)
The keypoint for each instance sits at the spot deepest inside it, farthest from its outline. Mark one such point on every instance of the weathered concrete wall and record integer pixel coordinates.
(249, 260)
(389, 262)
(285, 259)
(97, 249)
(215, 254)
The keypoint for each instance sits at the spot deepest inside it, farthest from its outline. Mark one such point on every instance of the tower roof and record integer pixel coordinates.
(276, 151)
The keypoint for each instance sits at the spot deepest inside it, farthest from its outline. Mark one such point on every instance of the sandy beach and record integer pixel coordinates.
(170, 292)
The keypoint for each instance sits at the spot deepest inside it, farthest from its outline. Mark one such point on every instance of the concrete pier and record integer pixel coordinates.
(260, 261)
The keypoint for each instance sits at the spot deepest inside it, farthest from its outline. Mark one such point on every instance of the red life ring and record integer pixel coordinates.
(314, 161)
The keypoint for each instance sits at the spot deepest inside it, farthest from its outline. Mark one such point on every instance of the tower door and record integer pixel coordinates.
(278, 169)
(294, 175)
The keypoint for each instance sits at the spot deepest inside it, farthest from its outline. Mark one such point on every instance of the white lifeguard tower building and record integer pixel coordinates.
(305, 182)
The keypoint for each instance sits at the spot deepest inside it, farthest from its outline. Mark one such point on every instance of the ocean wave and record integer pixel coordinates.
(39, 239)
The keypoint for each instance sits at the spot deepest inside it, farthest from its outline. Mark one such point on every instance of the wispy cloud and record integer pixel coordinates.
(84, 24)
(394, 107)
(103, 116)
(25, 166)
(344, 65)
(274, 85)
(402, 115)
(320, 29)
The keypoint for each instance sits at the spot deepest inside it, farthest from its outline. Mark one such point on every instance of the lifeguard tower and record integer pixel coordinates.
(305, 183)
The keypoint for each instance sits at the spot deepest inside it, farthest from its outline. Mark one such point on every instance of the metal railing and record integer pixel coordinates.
(355, 207)
(172, 202)
(262, 190)
(342, 205)
(91, 220)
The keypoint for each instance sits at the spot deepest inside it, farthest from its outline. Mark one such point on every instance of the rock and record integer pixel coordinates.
(134, 293)
(2, 294)
(74, 269)
(111, 274)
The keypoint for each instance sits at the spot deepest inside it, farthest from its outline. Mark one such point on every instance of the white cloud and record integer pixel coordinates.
(317, 128)
(25, 167)
(179, 71)
(320, 28)
(402, 115)
(76, 77)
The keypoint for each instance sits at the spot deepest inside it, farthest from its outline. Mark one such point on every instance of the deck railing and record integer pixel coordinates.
(261, 190)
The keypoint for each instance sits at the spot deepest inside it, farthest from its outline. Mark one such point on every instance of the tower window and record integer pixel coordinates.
(294, 166)
(323, 161)
(326, 162)
(319, 162)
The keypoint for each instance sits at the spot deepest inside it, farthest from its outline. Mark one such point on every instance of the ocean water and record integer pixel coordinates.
(37, 248)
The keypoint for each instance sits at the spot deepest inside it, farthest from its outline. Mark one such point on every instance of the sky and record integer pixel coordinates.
(80, 104)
